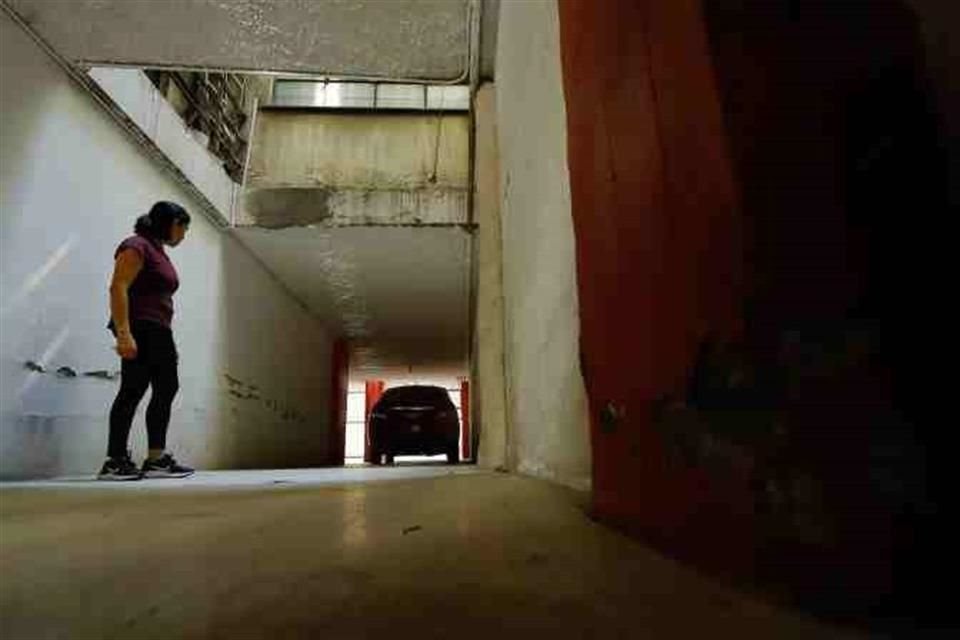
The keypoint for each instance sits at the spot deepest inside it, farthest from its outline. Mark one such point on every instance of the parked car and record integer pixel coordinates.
(414, 420)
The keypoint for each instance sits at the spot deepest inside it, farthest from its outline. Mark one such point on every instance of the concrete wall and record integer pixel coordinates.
(254, 366)
(547, 406)
(357, 168)
(489, 406)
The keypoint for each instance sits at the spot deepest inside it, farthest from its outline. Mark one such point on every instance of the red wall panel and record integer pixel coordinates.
(339, 371)
(374, 389)
(741, 199)
(656, 221)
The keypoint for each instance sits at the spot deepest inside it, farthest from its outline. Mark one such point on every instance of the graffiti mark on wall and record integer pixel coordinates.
(251, 393)
(69, 372)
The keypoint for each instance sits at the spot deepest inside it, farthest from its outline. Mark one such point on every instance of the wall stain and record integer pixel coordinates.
(246, 391)
(102, 374)
(65, 372)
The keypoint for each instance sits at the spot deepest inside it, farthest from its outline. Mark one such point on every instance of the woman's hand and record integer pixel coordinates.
(126, 346)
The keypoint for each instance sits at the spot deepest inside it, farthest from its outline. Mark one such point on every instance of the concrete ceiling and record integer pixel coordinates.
(416, 39)
(401, 294)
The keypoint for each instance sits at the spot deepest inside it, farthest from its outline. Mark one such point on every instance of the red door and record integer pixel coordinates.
(374, 389)
(465, 421)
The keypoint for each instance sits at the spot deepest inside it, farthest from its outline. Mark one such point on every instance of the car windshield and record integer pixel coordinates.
(432, 396)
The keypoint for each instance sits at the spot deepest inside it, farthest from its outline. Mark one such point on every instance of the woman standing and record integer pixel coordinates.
(141, 310)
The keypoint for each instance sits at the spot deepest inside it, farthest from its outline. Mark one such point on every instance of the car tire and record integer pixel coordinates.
(453, 455)
(388, 458)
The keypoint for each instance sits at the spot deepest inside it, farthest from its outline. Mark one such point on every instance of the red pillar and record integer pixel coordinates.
(465, 412)
(339, 371)
(374, 389)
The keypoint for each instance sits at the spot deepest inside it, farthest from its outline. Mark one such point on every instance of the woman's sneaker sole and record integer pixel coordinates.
(112, 477)
(166, 474)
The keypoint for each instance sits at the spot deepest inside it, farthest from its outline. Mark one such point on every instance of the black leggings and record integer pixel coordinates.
(156, 366)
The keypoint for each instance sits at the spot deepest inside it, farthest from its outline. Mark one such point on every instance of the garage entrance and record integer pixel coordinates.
(363, 394)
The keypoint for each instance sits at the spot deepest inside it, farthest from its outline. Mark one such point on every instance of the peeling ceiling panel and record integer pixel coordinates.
(400, 294)
(415, 39)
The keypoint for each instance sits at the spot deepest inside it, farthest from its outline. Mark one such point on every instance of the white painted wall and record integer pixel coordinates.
(546, 398)
(71, 184)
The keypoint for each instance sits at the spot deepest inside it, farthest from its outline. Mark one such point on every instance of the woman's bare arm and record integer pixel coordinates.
(127, 266)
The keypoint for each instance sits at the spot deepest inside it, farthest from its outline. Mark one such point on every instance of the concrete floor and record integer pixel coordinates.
(425, 552)
(257, 479)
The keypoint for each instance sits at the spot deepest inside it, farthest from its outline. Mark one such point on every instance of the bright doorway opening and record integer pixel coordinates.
(354, 443)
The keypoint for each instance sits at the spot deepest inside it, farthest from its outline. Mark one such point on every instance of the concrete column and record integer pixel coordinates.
(490, 420)
(549, 436)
